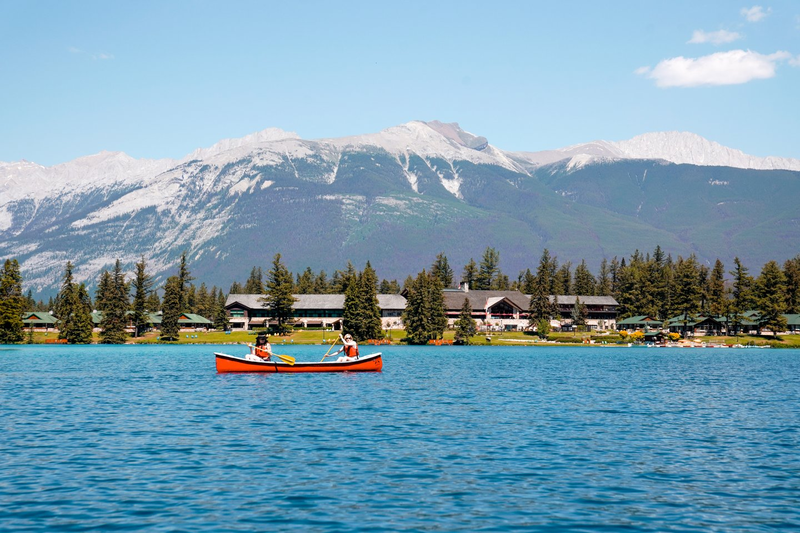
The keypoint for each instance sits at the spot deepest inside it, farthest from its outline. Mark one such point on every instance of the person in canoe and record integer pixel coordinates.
(349, 347)
(262, 348)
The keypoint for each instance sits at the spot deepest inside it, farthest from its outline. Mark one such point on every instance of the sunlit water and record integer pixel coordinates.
(445, 438)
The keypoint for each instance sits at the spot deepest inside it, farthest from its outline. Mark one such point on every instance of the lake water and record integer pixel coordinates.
(445, 438)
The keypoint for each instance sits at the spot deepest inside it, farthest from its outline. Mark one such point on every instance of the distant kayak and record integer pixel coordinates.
(232, 363)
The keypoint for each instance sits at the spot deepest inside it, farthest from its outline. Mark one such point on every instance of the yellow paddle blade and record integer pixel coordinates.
(285, 358)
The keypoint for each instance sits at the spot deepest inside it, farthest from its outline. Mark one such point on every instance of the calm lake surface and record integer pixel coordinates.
(445, 438)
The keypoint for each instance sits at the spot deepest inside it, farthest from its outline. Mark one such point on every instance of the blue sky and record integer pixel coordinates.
(159, 79)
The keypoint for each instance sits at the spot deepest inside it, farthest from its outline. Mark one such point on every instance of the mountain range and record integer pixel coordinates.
(397, 198)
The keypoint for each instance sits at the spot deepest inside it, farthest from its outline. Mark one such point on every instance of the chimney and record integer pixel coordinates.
(465, 286)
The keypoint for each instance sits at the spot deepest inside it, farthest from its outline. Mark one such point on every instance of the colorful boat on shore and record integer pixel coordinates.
(231, 363)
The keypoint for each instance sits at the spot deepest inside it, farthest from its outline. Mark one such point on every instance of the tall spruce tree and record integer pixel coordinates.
(540, 308)
(488, 270)
(584, 280)
(469, 275)
(562, 283)
(546, 272)
(255, 283)
(184, 278)
(424, 316)
(441, 269)
(305, 282)
(687, 289)
(579, 313)
(321, 285)
(142, 287)
(114, 307)
(716, 290)
(361, 316)
(172, 309)
(742, 294)
(74, 308)
(279, 298)
(11, 303)
(465, 326)
(220, 314)
(770, 298)
(603, 279)
(791, 270)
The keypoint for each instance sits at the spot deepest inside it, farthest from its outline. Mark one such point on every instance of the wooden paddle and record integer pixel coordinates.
(330, 348)
(288, 359)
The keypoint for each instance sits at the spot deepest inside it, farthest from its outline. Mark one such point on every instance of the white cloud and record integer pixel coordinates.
(755, 13)
(714, 37)
(795, 61)
(103, 56)
(74, 50)
(723, 68)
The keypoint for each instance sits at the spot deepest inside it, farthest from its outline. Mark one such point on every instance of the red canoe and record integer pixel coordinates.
(231, 363)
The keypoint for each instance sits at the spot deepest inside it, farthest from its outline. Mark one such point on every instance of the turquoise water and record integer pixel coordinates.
(446, 438)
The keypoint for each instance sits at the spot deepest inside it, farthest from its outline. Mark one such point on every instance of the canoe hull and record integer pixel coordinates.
(231, 363)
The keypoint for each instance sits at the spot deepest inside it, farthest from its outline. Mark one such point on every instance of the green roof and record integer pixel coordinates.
(36, 318)
(640, 319)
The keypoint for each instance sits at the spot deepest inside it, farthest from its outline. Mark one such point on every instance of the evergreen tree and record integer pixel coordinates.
(321, 283)
(205, 307)
(470, 274)
(74, 308)
(579, 313)
(142, 287)
(114, 306)
(488, 270)
(11, 303)
(342, 279)
(279, 298)
(527, 282)
(742, 294)
(441, 269)
(153, 301)
(389, 287)
(184, 277)
(424, 316)
(220, 314)
(171, 313)
(584, 280)
(465, 325)
(255, 283)
(539, 307)
(305, 282)
(603, 279)
(236, 288)
(362, 315)
(407, 283)
(191, 299)
(770, 298)
(705, 288)
(687, 289)
(716, 290)
(562, 283)
(791, 270)
(546, 272)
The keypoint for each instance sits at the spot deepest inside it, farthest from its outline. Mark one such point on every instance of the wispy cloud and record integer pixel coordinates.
(755, 13)
(723, 68)
(102, 56)
(74, 50)
(714, 37)
(795, 61)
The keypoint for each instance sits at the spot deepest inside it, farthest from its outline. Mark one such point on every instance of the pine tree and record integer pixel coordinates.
(184, 277)
(584, 280)
(470, 274)
(11, 303)
(579, 313)
(204, 305)
(305, 282)
(191, 299)
(603, 279)
(687, 289)
(255, 283)
(114, 307)
(73, 308)
(716, 290)
(791, 270)
(220, 314)
(770, 298)
(465, 325)
(236, 288)
(562, 283)
(546, 272)
(171, 312)
(142, 287)
(742, 294)
(424, 316)
(527, 282)
(153, 301)
(279, 298)
(539, 307)
(441, 269)
(321, 283)
(362, 314)
(488, 270)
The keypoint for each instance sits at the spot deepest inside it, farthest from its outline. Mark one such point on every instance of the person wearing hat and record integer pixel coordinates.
(349, 347)
(262, 348)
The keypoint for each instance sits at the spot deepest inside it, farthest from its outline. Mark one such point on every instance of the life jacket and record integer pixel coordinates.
(351, 350)
(262, 351)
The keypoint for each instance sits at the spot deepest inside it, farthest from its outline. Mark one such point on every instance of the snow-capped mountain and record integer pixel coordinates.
(396, 197)
(675, 147)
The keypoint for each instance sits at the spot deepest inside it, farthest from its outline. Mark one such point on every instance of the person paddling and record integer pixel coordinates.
(262, 348)
(349, 347)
